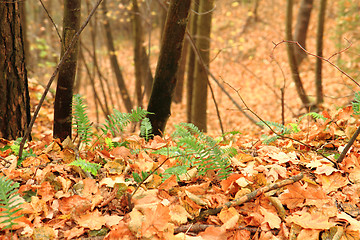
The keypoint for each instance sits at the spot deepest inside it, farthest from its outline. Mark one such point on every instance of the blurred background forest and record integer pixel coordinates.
(242, 52)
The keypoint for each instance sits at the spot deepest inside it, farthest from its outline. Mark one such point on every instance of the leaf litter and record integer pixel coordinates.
(274, 190)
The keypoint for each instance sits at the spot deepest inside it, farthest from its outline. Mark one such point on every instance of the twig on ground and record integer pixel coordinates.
(250, 196)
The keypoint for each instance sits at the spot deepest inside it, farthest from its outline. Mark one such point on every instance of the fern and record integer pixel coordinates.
(277, 127)
(86, 166)
(9, 202)
(194, 148)
(81, 123)
(146, 129)
(117, 121)
(314, 115)
(356, 103)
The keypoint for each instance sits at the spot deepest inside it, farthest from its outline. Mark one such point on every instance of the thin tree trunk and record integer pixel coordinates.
(319, 52)
(138, 41)
(291, 56)
(113, 60)
(14, 94)
(199, 101)
(66, 78)
(170, 53)
(148, 77)
(191, 60)
(302, 24)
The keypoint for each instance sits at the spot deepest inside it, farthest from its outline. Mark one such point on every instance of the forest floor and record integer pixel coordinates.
(287, 188)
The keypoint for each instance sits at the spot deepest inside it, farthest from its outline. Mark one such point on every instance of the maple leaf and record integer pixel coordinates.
(155, 220)
(92, 220)
(270, 218)
(310, 221)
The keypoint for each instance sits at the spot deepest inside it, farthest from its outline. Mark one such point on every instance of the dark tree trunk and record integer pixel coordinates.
(14, 94)
(319, 52)
(180, 75)
(113, 60)
(138, 41)
(147, 75)
(170, 53)
(66, 78)
(292, 58)
(191, 60)
(201, 80)
(302, 24)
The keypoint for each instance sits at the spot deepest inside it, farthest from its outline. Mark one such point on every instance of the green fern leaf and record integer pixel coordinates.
(92, 168)
(9, 201)
(117, 121)
(81, 123)
(146, 129)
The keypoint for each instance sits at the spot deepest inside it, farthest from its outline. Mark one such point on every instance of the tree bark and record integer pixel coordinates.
(191, 60)
(113, 60)
(319, 52)
(180, 75)
(14, 93)
(291, 56)
(138, 41)
(170, 53)
(66, 78)
(302, 24)
(199, 100)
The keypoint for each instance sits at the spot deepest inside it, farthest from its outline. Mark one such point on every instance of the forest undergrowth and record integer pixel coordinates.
(245, 184)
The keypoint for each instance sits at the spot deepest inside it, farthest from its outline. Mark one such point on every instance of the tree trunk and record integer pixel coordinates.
(66, 78)
(191, 60)
(199, 100)
(291, 56)
(138, 41)
(319, 52)
(302, 24)
(147, 75)
(14, 93)
(114, 63)
(181, 74)
(170, 53)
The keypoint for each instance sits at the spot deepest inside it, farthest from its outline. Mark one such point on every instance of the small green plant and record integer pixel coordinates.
(138, 178)
(146, 129)
(194, 148)
(15, 147)
(9, 202)
(86, 166)
(117, 121)
(81, 120)
(356, 103)
(282, 130)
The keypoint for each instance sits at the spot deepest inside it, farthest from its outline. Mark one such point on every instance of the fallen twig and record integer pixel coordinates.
(250, 196)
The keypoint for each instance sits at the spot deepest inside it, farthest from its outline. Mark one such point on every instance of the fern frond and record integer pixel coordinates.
(86, 166)
(194, 148)
(117, 121)
(146, 129)
(82, 124)
(314, 115)
(356, 103)
(9, 201)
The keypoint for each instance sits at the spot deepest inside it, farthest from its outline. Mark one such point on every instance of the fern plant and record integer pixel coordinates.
(356, 103)
(117, 121)
(146, 129)
(9, 202)
(194, 148)
(81, 120)
(86, 166)
(282, 130)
